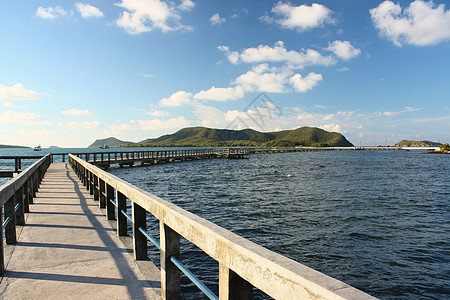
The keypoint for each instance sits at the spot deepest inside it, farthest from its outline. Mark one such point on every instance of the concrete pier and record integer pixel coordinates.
(68, 250)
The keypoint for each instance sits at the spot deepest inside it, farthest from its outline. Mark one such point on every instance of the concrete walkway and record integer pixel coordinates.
(67, 249)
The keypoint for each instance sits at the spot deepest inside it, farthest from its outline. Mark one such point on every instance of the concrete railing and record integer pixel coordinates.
(242, 264)
(15, 197)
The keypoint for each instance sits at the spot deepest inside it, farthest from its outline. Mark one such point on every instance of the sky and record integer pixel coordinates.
(72, 72)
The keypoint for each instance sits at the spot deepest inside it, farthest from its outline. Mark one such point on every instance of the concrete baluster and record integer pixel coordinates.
(2, 251)
(18, 199)
(10, 228)
(170, 274)
(121, 219)
(139, 240)
(110, 212)
(96, 188)
(232, 286)
(102, 192)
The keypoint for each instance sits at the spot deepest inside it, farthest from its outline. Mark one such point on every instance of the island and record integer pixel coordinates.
(211, 137)
(13, 146)
(412, 143)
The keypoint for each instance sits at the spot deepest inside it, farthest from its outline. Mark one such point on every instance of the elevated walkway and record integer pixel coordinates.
(68, 250)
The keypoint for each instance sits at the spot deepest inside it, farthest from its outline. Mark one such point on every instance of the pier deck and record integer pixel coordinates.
(68, 249)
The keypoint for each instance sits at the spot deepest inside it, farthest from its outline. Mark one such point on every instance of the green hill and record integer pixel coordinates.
(111, 142)
(12, 146)
(209, 137)
(408, 143)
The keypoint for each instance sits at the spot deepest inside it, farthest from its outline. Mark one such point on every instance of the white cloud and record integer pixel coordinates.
(421, 23)
(221, 94)
(278, 53)
(177, 99)
(186, 5)
(302, 17)
(88, 11)
(343, 69)
(7, 104)
(163, 124)
(147, 75)
(117, 129)
(302, 84)
(145, 15)
(12, 117)
(216, 19)
(76, 112)
(17, 92)
(50, 12)
(210, 116)
(343, 49)
(83, 125)
(263, 79)
(159, 113)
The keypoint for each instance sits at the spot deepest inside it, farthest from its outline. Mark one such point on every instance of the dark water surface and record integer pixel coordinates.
(377, 220)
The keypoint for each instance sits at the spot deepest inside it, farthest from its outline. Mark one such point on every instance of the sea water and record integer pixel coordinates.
(377, 220)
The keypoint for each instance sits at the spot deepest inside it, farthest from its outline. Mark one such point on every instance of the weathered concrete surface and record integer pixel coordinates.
(68, 250)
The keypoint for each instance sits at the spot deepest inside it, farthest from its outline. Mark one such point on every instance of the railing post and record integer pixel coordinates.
(139, 240)
(109, 205)
(96, 187)
(87, 183)
(232, 286)
(102, 198)
(170, 274)
(121, 219)
(10, 228)
(91, 183)
(26, 200)
(2, 251)
(18, 199)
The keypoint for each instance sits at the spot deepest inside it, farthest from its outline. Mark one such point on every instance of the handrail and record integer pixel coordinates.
(242, 263)
(15, 197)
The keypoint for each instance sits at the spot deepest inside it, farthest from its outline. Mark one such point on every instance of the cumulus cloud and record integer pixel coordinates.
(278, 53)
(12, 117)
(221, 94)
(302, 17)
(50, 13)
(343, 49)
(76, 112)
(88, 11)
(186, 5)
(163, 124)
(261, 78)
(302, 84)
(117, 129)
(216, 19)
(421, 23)
(145, 15)
(158, 113)
(17, 92)
(83, 125)
(177, 99)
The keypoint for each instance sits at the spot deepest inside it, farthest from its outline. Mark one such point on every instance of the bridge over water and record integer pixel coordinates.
(65, 229)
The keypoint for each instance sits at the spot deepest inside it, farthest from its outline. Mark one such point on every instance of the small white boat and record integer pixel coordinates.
(104, 147)
(37, 148)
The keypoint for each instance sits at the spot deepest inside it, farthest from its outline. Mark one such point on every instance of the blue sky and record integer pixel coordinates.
(72, 72)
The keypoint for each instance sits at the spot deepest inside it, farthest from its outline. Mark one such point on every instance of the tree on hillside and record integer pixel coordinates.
(445, 147)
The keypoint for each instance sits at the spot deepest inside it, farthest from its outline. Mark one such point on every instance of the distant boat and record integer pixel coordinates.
(104, 147)
(37, 148)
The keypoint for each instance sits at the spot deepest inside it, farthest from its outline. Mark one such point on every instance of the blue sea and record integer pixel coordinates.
(377, 220)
